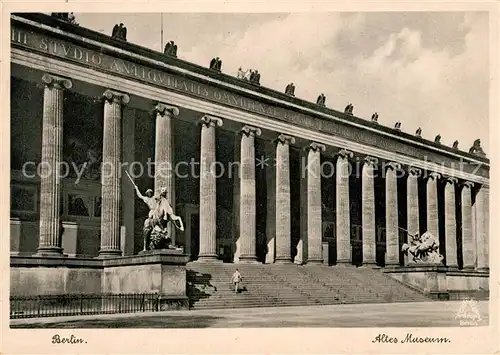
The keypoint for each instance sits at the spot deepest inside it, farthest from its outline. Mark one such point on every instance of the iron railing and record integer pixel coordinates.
(87, 304)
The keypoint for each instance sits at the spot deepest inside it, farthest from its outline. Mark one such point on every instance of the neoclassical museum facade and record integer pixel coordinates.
(255, 174)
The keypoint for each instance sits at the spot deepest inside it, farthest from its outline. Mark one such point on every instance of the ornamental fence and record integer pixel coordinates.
(88, 304)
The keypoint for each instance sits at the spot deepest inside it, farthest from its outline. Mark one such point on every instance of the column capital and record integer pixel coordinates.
(316, 147)
(467, 184)
(414, 171)
(285, 139)
(57, 82)
(162, 109)
(251, 131)
(394, 166)
(371, 160)
(450, 180)
(116, 97)
(211, 121)
(434, 176)
(344, 154)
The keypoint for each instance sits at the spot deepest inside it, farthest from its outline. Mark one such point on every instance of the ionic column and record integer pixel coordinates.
(343, 223)
(208, 203)
(468, 242)
(391, 213)
(248, 195)
(283, 213)
(432, 204)
(164, 155)
(368, 210)
(110, 174)
(482, 228)
(450, 222)
(314, 218)
(50, 184)
(413, 215)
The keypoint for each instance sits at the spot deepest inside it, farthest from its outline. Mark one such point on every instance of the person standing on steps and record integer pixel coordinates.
(236, 279)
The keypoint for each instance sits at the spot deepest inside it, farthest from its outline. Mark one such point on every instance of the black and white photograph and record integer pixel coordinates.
(255, 169)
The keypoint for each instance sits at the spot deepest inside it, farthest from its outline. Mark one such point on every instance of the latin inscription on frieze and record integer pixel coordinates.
(94, 59)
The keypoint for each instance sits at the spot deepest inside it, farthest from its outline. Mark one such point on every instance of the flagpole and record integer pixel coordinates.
(161, 14)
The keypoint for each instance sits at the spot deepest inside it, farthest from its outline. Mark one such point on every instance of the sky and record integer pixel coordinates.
(425, 69)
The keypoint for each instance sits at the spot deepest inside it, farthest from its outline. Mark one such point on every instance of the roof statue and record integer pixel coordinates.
(397, 126)
(65, 16)
(423, 249)
(119, 32)
(437, 139)
(321, 100)
(256, 77)
(348, 109)
(170, 49)
(375, 117)
(476, 148)
(290, 89)
(418, 133)
(216, 64)
(455, 145)
(241, 74)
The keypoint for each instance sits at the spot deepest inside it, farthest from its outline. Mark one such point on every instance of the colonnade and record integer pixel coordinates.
(474, 223)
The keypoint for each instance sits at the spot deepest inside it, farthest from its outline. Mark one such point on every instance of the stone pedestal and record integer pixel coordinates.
(111, 165)
(208, 202)
(248, 195)
(283, 204)
(368, 211)
(343, 223)
(391, 214)
(70, 238)
(50, 182)
(314, 218)
(326, 253)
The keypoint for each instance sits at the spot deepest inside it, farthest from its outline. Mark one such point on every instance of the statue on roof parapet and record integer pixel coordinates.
(437, 139)
(255, 77)
(418, 133)
(119, 32)
(170, 49)
(349, 108)
(65, 16)
(216, 64)
(397, 126)
(290, 89)
(477, 149)
(375, 117)
(455, 145)
(321, 100)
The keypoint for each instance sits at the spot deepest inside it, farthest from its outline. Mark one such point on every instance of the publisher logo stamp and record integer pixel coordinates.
(468, 313)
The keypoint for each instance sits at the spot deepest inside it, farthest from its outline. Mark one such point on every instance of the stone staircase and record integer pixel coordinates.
(209, 286)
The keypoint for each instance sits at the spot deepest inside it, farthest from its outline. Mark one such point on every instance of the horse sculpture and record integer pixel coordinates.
(423, 249)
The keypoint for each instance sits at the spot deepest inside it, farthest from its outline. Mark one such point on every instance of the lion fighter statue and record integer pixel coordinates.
(423, 249)
(160, 214)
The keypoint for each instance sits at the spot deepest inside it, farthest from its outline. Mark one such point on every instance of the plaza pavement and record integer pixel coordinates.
(418, 314)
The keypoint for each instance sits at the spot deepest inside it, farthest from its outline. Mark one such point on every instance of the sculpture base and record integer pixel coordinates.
(441, 282)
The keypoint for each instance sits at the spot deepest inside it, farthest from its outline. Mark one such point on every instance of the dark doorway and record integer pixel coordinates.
(195, 236)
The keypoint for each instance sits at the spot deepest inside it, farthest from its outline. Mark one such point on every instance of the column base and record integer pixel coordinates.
(248, 260)
(369, 264)
(315, 261)
(284, 260)
(211, 258)
(392, 264)
(109, 253)
(49, 251)
(469, 268)
(483, 269)
(452, 267)
(345, 262)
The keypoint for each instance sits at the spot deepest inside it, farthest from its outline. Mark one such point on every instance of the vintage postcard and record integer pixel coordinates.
(250, 178)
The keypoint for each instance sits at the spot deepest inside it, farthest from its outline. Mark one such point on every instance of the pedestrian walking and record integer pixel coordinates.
(236, 279)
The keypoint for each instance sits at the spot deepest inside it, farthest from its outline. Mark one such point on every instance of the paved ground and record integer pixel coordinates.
(421, 314)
